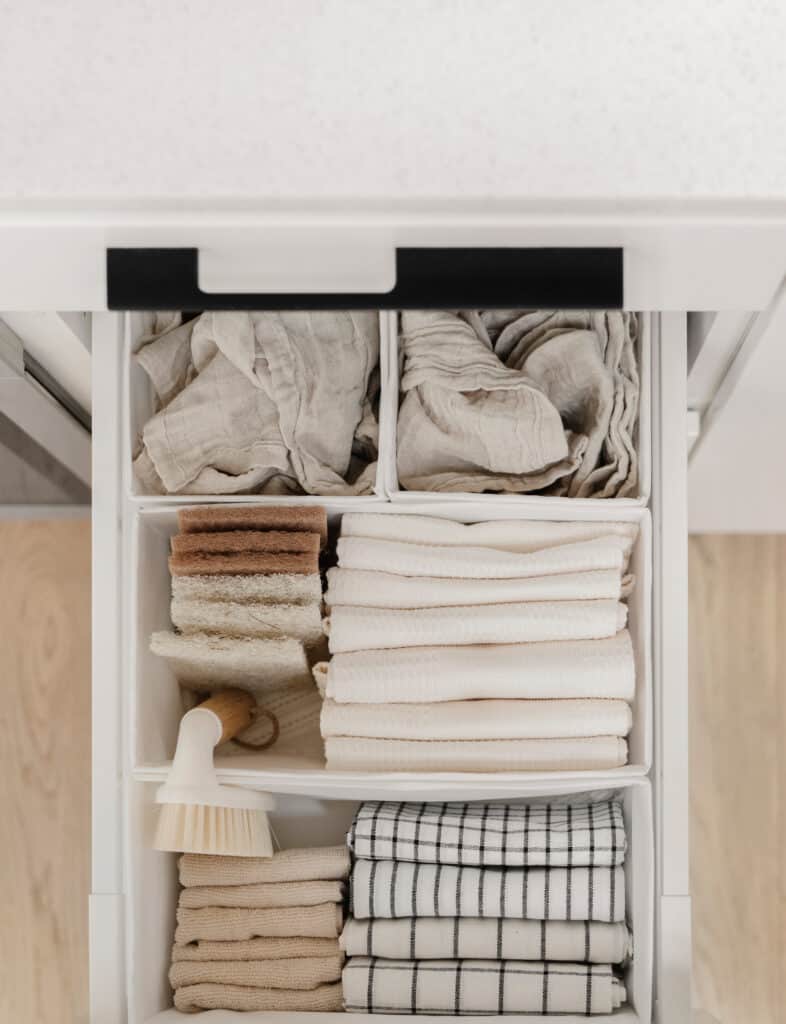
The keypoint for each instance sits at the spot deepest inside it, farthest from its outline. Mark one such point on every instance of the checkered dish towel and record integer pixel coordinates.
(491, 835)
(460, 987)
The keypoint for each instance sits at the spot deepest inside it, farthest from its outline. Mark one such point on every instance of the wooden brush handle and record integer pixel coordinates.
(234, 708)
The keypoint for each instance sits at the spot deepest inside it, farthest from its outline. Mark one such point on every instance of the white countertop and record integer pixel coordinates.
(383, 99)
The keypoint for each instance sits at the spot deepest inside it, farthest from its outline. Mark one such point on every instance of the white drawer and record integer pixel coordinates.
(136, 708)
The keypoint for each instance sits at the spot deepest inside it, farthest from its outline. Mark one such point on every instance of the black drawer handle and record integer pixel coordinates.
(426, 278)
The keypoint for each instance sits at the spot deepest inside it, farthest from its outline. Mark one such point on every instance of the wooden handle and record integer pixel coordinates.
(234, 708)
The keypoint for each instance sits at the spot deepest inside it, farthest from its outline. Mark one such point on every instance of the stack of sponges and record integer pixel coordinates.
(246, 606)
(486, 909)
(260, 933)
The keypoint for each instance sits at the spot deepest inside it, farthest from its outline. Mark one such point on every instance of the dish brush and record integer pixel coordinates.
(198, 814)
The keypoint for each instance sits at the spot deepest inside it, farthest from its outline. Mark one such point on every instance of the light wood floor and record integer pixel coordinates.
(738, 736)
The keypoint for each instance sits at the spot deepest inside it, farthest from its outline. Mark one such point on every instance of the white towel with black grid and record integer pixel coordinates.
(482, 987)
(474, 938)
(491, 835)
(391, 888)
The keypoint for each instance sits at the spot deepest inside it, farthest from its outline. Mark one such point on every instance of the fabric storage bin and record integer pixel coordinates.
(157, 701)
(139, 406)
(643, 437)
(308, 821)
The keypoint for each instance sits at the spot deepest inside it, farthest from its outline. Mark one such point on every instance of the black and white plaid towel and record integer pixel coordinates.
(483, 987)
(388, 888)
(491, 835)
(474, 938)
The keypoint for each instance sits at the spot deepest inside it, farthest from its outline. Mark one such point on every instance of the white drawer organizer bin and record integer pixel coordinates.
(643, 437)
(309, 821)
(157, 704)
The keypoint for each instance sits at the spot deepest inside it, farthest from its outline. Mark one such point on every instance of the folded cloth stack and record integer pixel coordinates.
(496, 646)
(277, 403)
(519, 401)
(260, 933)
(461, 909)
(247, 611)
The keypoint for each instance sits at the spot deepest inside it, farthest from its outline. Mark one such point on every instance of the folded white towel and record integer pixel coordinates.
(246, 618)
(559, 669)
(273, 588)
(456, 988)
(521, 535)
(348, 753)
(478, 563)
(367, 629)
(203, 661)
(392, 888)
(478, 719)
(386, 590)
(476, 938)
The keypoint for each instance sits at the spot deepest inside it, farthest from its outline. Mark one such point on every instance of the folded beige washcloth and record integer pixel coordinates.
(301, 973)
(204, 661)
(229, 618)
(263, 894)
(256, 588)
(225, 924)
(195, 563)
(563, 669)
(318, 863)
(478, 720)
(236, 541)
(324, 999)
(295, 518)
(578, 754)
(257, 949)
(351, 628)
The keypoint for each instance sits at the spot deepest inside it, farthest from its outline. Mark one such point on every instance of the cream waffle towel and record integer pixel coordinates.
(278, 588)
(323, 999)
(478, 563)
(476, 938)
(230, 618)
(478, 719)
(564, 669)
(520, 535)
(262, 894)
(230, 924)
(578, 754)
(318, 863)
(366, 629)
(301, 973)
(256, 949)
(387, 590)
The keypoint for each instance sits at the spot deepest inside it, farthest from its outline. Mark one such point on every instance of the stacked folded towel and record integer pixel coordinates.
(246, 607)
(486, 909)
(260, 934)
(487, 647)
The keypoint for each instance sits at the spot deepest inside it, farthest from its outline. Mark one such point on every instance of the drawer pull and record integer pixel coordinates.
(426, 278)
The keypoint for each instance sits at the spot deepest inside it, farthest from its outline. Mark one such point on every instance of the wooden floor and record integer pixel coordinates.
(45, 779)
(738, 764)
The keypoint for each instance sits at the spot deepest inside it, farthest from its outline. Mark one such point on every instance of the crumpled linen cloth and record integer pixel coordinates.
(455, 988)
(262, 402)
(519, 401)
(351, 628)
(478, 719)
(586, 753)
(557, 669)
(476, 938)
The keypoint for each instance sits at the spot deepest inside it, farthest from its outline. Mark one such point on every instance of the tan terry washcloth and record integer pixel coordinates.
(224, 924)
(256, 949)
(263, 894)
(243, 563)
(193, 998)
(320, 863)
(206, 518)
(233, 541)
(301, 973)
